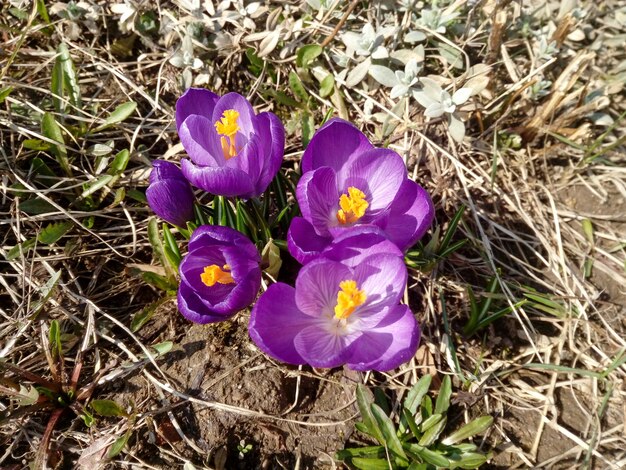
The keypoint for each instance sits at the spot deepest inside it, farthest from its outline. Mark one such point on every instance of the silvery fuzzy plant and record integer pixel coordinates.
(184, 59)
(438, 102)
(402, 83)
(434, 20)
(366, 46)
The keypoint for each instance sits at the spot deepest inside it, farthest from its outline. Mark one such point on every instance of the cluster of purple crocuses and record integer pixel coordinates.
(360, 213)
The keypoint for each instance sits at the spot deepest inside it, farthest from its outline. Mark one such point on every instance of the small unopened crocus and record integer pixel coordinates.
(219, 276)
(169, 193)
(232, 150)
(345, 308)
(347, 182)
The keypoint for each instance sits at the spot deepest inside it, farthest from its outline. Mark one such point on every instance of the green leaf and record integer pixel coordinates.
(368, 451)
(118, 445)
(451, 228)
(88, 418)
(307, 54)
(42, 11)
(432, 457)
(409, 420)
(370, 464)
(51, 129)
(471, 461)
(415, 395)
(256, 63)
(40, 168)
(137, 195)
(470, 429)
(120, 194)
(308, 128)
(36, 206)
(119, 114)
(388, 430)
(363, 399)
(297, 88)
(431, 435)
(284, 99)
(95, 185)
(154, 238)
(64, 80)
(36, 144)
(327, 85)
(142, 317)
(119, 163)
(427, 407)
(443, 399)
(588, 230)
(53, 232)
(45, 292)
(107, 408)
(4, 92)
(171, 247)
(54, 336)
(160, 282)
(431, 421)
(163, 347)
(23, 247)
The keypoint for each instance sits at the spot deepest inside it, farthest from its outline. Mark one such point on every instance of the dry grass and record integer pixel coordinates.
(554, 382)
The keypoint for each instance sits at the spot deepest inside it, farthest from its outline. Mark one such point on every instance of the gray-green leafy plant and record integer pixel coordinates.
(402, 83)
(367, 45)
(438, 102)
(416, 441)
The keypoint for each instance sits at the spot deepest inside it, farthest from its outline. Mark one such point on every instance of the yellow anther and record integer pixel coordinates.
(348, 299)
(227, 127)
(353, 206)
(214, 274)
(228, 124)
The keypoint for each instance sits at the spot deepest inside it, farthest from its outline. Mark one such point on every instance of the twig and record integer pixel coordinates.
(343, 19)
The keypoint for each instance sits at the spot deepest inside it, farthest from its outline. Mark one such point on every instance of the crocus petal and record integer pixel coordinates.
(302, 241)
(246, 119)
(272, 133)
(223, 181)
(200, 140)
(162, 169)
(221, 236)
(191, 268)
(169, 194)
(317, 286)
(333, 145)
(211, 245)
(358, 243)
(275, 321)
(319, 199)
(391, 343)
(195, 101)
(191, 306)
(379, 173)
(249, 159)
(321, 349)
(410, 215)
(383, 278)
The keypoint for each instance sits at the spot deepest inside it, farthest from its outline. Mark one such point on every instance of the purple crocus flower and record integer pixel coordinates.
(169, 193)
(232, 150)
(346, 181)
(344, 309)
(219, 276)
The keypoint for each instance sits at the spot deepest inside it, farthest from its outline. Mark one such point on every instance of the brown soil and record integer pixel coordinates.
(218, 363)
